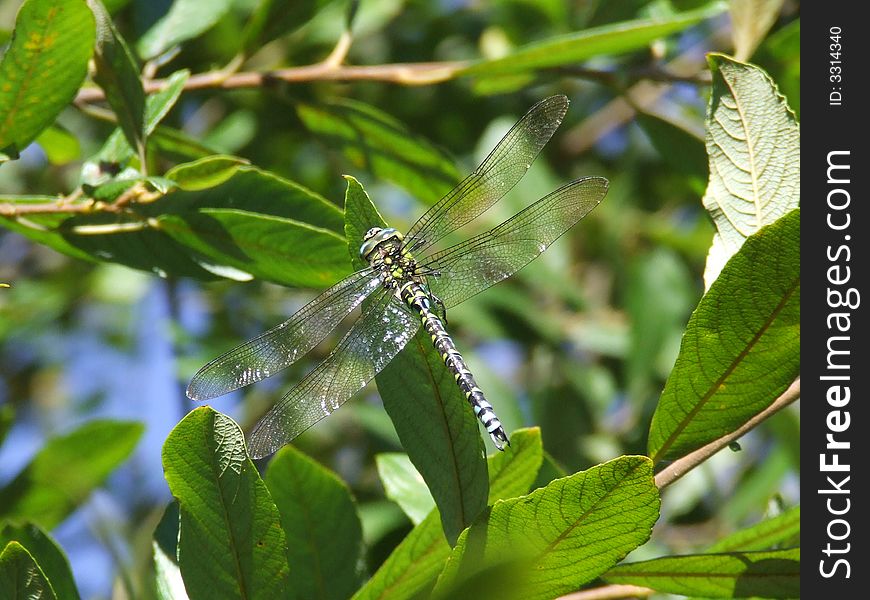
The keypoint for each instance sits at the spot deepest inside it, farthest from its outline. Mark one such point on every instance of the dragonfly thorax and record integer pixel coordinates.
(384, 249)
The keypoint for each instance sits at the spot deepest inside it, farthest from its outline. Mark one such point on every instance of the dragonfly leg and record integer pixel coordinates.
(443, 309)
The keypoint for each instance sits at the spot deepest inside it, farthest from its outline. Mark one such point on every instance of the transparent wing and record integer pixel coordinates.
(495, 176)
(381, 332)
(282, 345)
(484, 260)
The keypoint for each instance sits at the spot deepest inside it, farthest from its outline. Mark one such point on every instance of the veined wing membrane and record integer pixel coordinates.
(282, 345)
(496, 175)
(482, 261)
(379, 334)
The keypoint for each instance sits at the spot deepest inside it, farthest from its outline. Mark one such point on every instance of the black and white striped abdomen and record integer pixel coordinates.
(417, 298)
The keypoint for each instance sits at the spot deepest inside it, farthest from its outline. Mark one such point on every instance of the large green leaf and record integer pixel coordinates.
(42, 228)
(783, 529)
(21, 577)
(118, 74)
(438, 430)
(432, 417)
(608, 39)
(231, 543)
(771, 574)
(753, 143)
(167, 574)
(324, 535)
(741, 348)
(375, 141)
(65, 471)
(557, 538)
(259, 224)
(43, 68)
(185, 20)
(414, 564)
(404, 485)
(46, 553)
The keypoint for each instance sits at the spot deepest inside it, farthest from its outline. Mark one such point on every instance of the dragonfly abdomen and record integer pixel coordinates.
(418, 299)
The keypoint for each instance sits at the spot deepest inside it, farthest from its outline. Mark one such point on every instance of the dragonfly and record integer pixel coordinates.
(409, 283)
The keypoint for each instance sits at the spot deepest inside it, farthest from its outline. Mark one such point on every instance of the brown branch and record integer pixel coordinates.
(609, 592)
(136, 194)
(8, 209)
(401, 73)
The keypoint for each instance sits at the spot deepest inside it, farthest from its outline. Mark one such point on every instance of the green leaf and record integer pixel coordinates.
(412, 567)
(414, 564)
(741, 348)
(512, 472)
(65, 471)
(772, 574)
(276, 18)
(185, 20)
(375, 141)
(404, 485)
(60, 146)
(434, 421)
(46, 553)
(43, 68)
(753, 142)
(257, 224)
(42, 229)
(324, 535)
(559, 537)
(438, 430)
(206, 172)
(116, 149)
(118, 74)
(231, 543)
(20, 575)
(160, 103)
(782, 529)
(167, 574)
(360, 215)
(658, 296)
(615, 38)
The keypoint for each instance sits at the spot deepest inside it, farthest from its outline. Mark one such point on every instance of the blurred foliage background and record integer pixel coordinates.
(580, 342)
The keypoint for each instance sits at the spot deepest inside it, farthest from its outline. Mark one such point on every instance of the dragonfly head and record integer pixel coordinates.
(376, 236)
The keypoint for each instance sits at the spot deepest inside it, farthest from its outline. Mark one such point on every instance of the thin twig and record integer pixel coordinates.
(64, 204)
(402, 73)
(683, 465)
(339, 53)
(15, 210)
(609, 592)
